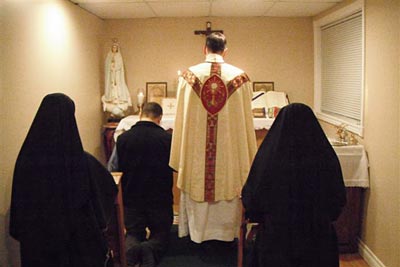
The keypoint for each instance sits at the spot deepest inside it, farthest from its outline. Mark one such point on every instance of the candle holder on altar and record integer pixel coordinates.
(140, 107)
(140, 101)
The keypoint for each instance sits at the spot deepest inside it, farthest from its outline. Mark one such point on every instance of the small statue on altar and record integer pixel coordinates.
(342, 132)
(116, 99)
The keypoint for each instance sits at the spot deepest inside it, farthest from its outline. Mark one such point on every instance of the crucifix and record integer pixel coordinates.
(208, 30)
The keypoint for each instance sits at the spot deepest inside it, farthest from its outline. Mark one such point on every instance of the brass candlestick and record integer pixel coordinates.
(140, 100)
(140, 107)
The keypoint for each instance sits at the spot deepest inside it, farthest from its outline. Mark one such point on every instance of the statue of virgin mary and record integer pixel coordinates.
(116, 98)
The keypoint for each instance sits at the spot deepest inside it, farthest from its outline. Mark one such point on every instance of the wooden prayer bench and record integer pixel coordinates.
(116, 227)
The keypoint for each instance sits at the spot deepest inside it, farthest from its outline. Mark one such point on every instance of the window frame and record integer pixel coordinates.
(337, 15)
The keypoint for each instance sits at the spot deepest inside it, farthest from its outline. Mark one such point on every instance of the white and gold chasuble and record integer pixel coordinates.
(213, 145)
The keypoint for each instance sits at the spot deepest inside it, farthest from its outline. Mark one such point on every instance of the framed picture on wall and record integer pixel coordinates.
(156, 91)
(263, 86)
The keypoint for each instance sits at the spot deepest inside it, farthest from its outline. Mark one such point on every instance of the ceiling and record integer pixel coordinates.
(125, 9)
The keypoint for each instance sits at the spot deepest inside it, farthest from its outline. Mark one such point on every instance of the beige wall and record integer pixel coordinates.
(40, 57)
(268, 49)
(382, 212)
(381, 227)
(46, 46)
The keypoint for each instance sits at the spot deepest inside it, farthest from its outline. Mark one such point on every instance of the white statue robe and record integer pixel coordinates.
(116, 98)
(212, 211)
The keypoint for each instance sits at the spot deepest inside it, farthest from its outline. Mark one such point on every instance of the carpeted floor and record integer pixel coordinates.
(183, 252)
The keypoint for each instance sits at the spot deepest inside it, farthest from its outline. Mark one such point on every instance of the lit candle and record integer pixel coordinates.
(179, 73)
(140, 98)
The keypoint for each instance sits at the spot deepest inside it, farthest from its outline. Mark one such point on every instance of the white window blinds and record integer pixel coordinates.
(341, 68)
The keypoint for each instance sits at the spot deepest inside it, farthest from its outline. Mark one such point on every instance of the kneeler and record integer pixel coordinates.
(247, 234)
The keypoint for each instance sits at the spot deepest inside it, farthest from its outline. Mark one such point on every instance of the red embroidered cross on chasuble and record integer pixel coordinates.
(214, 94)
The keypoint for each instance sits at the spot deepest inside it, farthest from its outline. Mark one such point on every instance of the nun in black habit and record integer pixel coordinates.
(295, 190)
(62, 197)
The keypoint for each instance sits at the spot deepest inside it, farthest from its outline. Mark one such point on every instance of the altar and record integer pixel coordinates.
(353, 160)
(167, 123)
(354, 163)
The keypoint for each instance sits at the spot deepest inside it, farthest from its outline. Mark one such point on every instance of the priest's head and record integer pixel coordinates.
(215, 43)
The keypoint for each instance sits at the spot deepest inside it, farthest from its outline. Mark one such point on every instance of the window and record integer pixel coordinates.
(339, 67)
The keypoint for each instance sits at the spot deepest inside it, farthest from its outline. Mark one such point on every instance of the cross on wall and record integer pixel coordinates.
(208, 30)
(171, 105)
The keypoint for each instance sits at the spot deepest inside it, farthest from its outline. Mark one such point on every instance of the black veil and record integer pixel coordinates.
(296, 185)
(57, 186)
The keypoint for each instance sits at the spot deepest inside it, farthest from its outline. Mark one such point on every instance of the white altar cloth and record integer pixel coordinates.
(126, 123)
(167, 123)
(353, 158)
(354, 162)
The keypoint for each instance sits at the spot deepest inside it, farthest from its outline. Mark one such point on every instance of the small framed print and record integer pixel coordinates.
(169, 106)
(263, 86)
(156, 91)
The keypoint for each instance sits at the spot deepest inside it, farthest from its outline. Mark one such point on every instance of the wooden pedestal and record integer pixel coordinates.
(108, 138)
(348, 225)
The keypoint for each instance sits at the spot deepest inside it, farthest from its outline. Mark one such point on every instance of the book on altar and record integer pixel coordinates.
(271, 101)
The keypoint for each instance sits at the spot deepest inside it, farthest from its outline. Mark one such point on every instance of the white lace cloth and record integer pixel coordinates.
(167, 123)
(354, 162)
(353, 158)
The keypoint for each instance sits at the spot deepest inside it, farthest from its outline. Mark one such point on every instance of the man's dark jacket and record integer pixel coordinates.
(143, 156)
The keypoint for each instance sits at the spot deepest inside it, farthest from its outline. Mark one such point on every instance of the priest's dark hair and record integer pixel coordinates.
(216, 42)
(152, 110)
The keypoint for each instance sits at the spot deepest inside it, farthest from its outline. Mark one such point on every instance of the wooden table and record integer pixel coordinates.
(354, 162)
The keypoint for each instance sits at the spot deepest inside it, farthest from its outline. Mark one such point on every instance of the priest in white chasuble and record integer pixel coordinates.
(213, 145)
